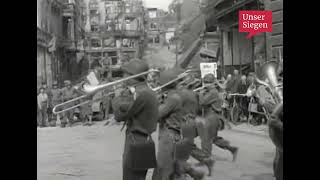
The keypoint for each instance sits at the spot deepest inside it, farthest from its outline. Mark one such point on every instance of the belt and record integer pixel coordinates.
(139, 133)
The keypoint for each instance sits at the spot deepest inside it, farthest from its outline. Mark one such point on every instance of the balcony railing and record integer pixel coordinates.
(69, 9)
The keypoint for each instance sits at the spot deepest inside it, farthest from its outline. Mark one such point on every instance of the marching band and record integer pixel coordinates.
(183, 107)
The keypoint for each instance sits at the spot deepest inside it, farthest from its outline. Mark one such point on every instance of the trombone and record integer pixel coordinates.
(180, 76)
(91, 90)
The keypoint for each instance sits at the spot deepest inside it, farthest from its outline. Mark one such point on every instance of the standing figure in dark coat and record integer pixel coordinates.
(140, 114)
(243, 100)
(276, 135)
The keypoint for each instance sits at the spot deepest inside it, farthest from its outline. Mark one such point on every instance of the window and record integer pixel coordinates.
(94, 28)
(95, 43)
(157, 39)
(153, 25)
(114, 60)
(109, 42)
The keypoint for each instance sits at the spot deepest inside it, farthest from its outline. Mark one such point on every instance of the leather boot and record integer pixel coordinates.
(196, 174)
(209, 162)
(234, 151)
(183, 167)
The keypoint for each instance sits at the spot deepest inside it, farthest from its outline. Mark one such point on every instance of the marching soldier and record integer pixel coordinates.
(175, 135)
(211, 103)
(140, 115)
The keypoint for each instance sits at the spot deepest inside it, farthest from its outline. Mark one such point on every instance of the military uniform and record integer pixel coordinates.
(140, 114)
(54, 100)
(211, 103)
(68, 94)
(177, 126)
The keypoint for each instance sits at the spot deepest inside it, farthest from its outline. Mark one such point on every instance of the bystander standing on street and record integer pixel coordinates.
(43, 105)
(54, 100)
(243, 100)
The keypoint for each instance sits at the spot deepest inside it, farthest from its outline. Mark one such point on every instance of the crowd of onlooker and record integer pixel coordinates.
(231, 84)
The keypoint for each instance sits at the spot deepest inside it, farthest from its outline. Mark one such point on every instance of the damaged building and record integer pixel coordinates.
(114, 32)
(59, 33)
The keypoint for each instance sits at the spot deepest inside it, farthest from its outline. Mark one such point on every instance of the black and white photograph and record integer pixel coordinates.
(159, 90)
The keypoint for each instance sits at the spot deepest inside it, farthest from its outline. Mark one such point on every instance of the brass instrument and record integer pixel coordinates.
(217, 83)
(89, 90)
(268, 77)
(180, 76)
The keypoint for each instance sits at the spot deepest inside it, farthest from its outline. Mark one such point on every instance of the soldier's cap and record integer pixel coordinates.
(135, 66)
(209, 78)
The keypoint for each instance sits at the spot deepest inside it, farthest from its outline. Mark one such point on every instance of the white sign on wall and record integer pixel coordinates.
(92, 79)
(208, 68)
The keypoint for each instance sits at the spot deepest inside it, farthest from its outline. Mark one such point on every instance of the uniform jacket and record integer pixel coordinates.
(210, 99)
(56, 96)
(171, 112)
(190, 102)
(142, 115)
(68, 94)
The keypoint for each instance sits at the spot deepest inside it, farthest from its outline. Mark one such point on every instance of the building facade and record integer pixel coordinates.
(237, 52)
(49, 29)
(155, 28)
(114, 32)
(58, 31)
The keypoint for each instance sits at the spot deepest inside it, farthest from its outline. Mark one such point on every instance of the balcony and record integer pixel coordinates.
(117, 32)
(229, 8)
(94, 6)
(132, 33)
(43, 37)
(69, 10)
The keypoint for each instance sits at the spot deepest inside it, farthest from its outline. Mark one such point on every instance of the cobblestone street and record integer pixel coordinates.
(94, 153)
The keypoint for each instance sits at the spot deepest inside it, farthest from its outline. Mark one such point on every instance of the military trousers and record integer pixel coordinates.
(169, 165)
(207, 134)
(43, 116)
(278, 165)
(128, 172)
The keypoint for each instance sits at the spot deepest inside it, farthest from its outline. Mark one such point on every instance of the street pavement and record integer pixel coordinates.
(160, 56)
(95, 153)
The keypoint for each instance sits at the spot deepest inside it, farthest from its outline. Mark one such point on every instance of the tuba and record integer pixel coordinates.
(267, 75)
